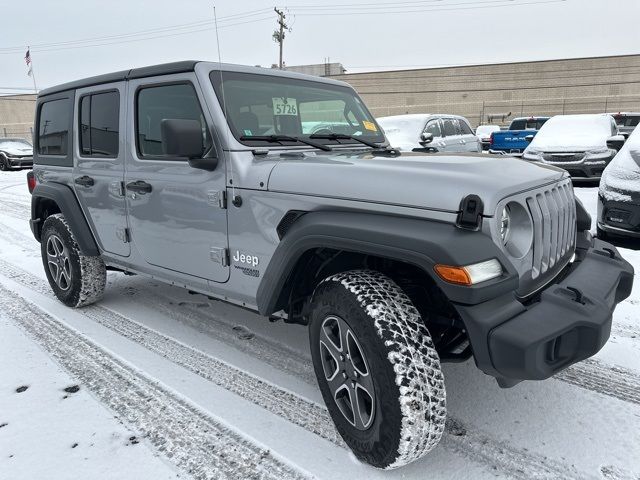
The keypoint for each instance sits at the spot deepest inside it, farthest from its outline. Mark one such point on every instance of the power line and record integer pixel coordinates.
(132, 40)
(230, 19)
(462, 6)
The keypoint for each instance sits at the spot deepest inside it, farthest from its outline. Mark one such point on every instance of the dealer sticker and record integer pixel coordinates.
(285, 106)
(370, 126)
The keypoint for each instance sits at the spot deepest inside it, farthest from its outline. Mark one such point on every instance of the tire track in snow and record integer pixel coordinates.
(273, 353)
(611, 380)
(192, 440)
(477, 447)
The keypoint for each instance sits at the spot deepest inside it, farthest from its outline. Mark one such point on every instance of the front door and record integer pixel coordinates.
(99, 163)
(177, 219)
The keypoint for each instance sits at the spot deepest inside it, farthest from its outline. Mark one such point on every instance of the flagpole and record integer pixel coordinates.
(31, 72)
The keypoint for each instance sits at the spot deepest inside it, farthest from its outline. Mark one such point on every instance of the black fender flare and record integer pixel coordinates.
(420, 242)
(68, 204)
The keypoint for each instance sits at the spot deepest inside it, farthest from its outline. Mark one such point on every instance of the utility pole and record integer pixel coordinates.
(278, 35)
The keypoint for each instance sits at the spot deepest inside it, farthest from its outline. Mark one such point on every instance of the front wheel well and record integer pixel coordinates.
(319, 263)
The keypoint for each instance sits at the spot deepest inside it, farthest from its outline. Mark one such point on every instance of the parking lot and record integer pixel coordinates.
(173, 384)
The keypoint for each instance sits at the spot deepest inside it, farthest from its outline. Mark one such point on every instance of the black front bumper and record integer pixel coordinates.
(570, 320)
(620, 217)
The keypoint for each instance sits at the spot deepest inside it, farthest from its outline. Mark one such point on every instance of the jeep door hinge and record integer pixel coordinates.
(220, 255)
(218, 198)
(124, 235)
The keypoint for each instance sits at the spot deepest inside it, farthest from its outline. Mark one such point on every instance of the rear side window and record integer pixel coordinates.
(466, 130)
(53, 127)
(449, 127)
(99, 124)
(157, 103)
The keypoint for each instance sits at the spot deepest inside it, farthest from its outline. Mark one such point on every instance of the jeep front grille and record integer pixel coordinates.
(554, 219)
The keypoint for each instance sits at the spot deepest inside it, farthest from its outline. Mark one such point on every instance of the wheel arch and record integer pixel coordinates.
(416, 242)
(51, 198)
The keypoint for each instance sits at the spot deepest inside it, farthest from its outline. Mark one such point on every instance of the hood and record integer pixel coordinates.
(573, 133)
(16, 150)
(434, 182)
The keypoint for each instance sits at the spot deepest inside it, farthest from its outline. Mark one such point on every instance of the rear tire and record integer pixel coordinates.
(76, 279)
(387, 341)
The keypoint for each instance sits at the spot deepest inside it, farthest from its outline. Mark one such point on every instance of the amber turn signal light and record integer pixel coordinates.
(457, 275)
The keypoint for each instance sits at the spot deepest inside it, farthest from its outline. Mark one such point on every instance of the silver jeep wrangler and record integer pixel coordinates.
(278, 192)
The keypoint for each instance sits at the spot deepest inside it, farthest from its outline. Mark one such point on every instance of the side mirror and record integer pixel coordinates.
(616, 142)
(183, 138)
(426, 138)
(529, 138)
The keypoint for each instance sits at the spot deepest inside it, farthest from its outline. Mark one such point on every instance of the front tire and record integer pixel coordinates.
(4, 164)
(377, 368)
(77, 280)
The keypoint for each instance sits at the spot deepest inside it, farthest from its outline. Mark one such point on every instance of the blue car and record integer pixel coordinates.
(514, 140)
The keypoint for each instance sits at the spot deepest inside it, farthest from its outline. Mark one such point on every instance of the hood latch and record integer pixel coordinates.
(471, 211)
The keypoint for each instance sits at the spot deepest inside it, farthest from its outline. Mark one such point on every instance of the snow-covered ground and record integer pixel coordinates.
(173, 385)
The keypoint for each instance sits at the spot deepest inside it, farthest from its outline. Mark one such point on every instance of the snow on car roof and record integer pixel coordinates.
(580, 132)
(623, 173)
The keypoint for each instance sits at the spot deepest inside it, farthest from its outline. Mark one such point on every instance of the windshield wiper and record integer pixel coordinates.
(285, 138)
(342, 136)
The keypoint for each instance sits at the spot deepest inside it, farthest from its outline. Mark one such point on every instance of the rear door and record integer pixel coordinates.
(177, 219)
(471, 142)
(453, 141)
(98, 170)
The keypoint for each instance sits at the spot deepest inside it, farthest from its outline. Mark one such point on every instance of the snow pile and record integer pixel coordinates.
(621, 178)
(573, 133)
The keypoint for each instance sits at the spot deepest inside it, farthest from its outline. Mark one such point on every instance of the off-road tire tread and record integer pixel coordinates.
(87, 287)
(415, 362)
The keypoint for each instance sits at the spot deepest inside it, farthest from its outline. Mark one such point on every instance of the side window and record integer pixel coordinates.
(157, 103)
(53, 127)
(99, 124)
(433, 127)
(449, 127)
(466, 130)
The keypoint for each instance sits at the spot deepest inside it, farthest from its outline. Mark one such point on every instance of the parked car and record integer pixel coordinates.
(619, 194)
(577, 143)
(15, 153)
(627, 122)
(437, 133)
(515, 139)
(395, 263)
(483, 132)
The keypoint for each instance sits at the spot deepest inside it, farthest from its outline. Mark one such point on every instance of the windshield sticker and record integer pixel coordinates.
(248, 132)
(285, 106)
(370, 126)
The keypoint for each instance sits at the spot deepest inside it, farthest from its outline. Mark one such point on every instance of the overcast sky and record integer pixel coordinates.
(375, 35)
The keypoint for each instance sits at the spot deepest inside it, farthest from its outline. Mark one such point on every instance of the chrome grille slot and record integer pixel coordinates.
(554, 219)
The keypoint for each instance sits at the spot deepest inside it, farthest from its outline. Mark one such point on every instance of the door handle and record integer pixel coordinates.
(85, 181)
(139, 186)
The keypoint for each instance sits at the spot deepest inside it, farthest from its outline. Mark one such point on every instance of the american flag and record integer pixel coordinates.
(27, 57)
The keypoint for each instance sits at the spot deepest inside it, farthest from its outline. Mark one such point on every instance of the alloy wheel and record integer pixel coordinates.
(347, 373)
(58, 262)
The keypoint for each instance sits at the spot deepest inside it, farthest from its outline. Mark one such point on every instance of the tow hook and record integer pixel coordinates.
(579, 297)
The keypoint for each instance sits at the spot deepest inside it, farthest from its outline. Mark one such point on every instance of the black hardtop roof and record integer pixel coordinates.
(150, 71)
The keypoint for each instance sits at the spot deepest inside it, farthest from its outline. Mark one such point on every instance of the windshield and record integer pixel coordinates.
(258, 105)
(14, 143)
(527, 124)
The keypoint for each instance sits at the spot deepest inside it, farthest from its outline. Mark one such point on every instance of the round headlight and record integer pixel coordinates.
(516, 229)
(505, 223)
